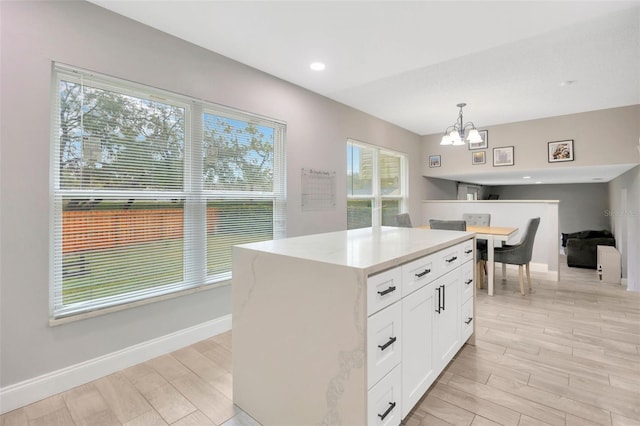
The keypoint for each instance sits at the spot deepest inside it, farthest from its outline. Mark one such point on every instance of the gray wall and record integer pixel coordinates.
(441, 189)
(33, 34)
(582, 206)
(601, 137)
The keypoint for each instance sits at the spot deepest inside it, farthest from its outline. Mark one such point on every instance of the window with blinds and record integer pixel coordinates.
(376, 185)
(152, 189)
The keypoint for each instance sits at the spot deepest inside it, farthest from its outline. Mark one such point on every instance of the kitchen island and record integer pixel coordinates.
(349, 327)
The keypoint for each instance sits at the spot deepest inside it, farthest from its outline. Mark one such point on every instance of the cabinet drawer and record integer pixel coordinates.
(383, 289)
(383, 401)
(419, 273)
(384, 342)
(467, 320)
(466, 291)
(449, 259)
(466, 250)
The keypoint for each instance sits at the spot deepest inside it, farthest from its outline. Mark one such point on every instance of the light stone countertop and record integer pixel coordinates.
(370, 249)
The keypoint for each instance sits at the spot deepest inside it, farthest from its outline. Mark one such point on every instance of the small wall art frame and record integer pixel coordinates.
(503, 156)
(434, 161)
(484, 144)
(561, 151)
(479, 157)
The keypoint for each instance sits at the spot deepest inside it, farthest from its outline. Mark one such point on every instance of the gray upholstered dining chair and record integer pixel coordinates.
(519, 254)
(404, 220)
(451, 225)
(477, 219)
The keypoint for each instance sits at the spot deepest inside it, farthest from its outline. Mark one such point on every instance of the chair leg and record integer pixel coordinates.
(521, 279)
(479, 275)
(528, 276)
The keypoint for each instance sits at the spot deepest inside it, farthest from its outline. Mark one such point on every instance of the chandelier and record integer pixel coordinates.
(454, 135)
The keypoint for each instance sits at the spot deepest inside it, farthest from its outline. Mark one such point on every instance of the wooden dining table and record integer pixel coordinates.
(495, 237)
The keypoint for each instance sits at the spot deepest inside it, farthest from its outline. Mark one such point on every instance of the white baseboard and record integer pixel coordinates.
(41, 387)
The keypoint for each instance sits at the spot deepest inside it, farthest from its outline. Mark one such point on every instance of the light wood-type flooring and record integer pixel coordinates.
(567, 354)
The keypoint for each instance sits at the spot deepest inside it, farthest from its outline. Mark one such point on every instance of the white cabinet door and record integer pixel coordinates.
(446, 324)
(384, 342)
(418, 371)
(384, 401)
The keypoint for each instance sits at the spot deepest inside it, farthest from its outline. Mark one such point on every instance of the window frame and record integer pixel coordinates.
(195, 198)
(376, 197)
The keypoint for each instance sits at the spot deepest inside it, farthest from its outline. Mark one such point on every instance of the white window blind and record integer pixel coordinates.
(376, 185)
(152, 189)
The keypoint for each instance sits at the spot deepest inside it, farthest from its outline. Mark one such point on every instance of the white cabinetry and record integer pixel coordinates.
(434, 289)
(446, 324)
(418, 366)
(348, 327)
(432, 322)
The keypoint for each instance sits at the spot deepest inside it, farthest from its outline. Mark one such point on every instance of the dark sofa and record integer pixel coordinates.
(581, 247)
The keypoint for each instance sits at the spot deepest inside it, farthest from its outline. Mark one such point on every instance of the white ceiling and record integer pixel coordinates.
(410, 63)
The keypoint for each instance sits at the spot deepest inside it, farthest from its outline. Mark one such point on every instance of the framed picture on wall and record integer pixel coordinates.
(479, 157)
(484, 144)
(434, 161)
(561, 151)
(503, 156)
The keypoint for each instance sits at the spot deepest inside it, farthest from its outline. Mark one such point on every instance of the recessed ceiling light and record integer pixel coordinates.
(596, 178)
(526, 177)
(567, 83)
(317, 66)
(538, 182)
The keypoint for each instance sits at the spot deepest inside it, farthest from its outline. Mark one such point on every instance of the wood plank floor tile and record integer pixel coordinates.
(88, 407)
(430, 420)
(620, 420)
(470, 369)
(481, 421)
(202, 366)
(530, 421)
(511, 341)
(221, 356)
(163, 397)
(626, 383)
(581, 421)
(44, 407)
(560, 363)
(241, 419)
(59, 417)
(197, 418)
(224, 384)
(606, 398)
(224, 339)
(14, 418)
(556, 401)
(169, 367)
(206, 398)
(475, 405)
(150, 418)
(511, 401)
(122, 397)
